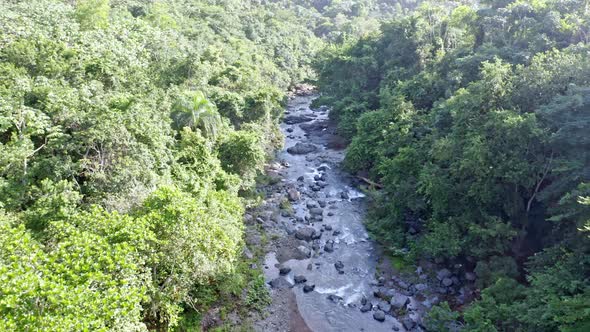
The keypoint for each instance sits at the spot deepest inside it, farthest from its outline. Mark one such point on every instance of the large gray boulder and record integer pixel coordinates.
(302, 148)
(280, 283)
(316, 211)
(444, 273)
(379, 316)
(399, 301)
(305, 233)
(295, 119)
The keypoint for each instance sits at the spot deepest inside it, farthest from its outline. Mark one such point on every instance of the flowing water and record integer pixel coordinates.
(353, 247)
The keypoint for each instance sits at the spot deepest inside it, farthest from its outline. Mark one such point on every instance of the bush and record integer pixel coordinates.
(241, 153)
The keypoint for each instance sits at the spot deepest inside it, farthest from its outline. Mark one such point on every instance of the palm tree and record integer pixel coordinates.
(194, 110)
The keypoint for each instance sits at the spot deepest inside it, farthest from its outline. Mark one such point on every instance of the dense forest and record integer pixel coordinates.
(476, 120)
(133, 134)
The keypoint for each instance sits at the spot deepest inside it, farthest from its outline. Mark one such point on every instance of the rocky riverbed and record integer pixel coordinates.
(323, 270)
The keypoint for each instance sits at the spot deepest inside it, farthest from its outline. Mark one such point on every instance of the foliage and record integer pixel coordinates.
(258, 296)
(128, 131)
(81, 281)
(474, 117)
(440, 318)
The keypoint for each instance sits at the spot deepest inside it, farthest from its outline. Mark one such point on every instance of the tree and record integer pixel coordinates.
(193, 110)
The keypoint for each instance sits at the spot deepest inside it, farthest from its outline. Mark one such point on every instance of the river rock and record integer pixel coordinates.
(386, 307)
(294, 194)
(301, 178)
(344, 195)
(316, 211)
(305, 233)
(295, 119)
(339, 266)
(302, 148)
(316, 236)
(280, 283)
(408, 323)
(315, 246)
(284, 270)
(470, 276)
(379, 316)
(444, 273)
(447, 282)
(304, 251)
(367, 307)
(308, 288)
(316, 126)
(334, 298)
(384, 292)
(300, 279)
(399, 301)
(421, 287)
(322, 203)
(329, 247)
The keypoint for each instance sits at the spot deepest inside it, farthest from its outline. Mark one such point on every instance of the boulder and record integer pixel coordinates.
(294, 194)
(399, 301)
(379, 316)
(304, 251)
(305, 233)
(280, 283)
(308, 288)
(339, 266)
(403, 285)
(470, 276)
(447, 282)
(444, 273)
(408, 323)
(284, 270)
(367, 307)
(386, 307)
(316, 211)
(329, 247)
(295, 119)
(300, 279)
(421, 287)
(302, 148)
